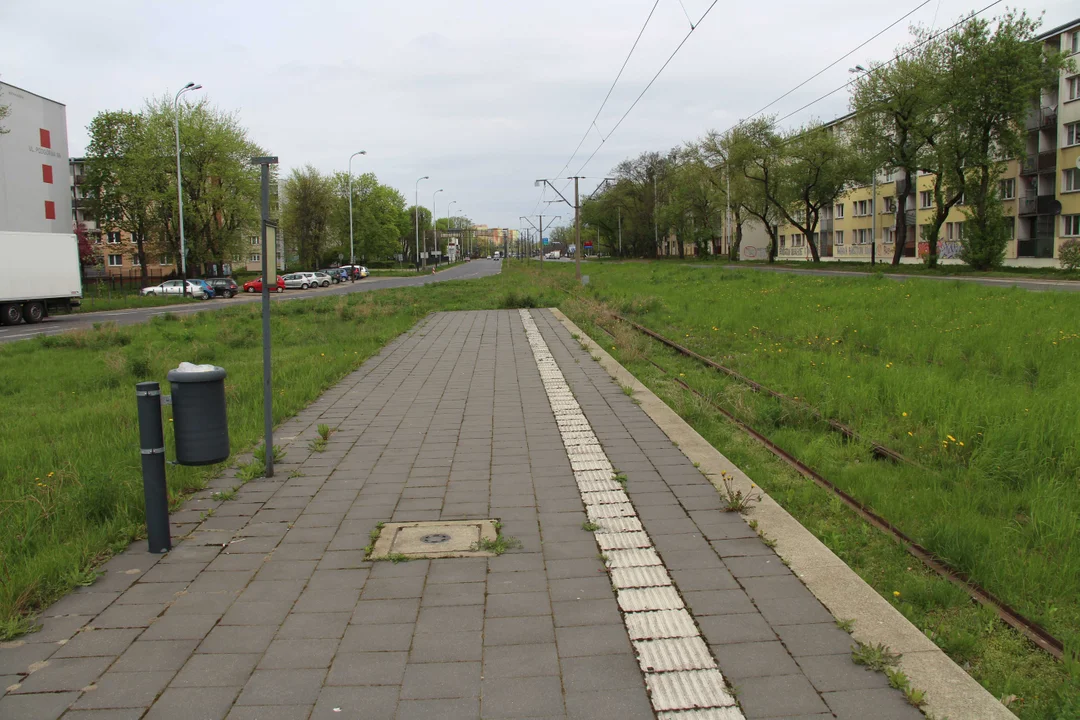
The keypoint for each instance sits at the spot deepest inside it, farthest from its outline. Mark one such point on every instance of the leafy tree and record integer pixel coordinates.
(379, 219)
(308, 200)
(408, 238)
(87, 256)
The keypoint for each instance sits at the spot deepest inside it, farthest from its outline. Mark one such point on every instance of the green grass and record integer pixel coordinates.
(70, 480)
(125, 300)
(993, 368)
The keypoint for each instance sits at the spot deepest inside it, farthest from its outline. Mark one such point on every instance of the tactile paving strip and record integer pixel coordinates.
(680, 673)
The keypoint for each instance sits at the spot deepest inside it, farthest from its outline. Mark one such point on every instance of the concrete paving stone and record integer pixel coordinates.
(718, 602)
(446, 647)
(760, 566)
(300, 551)
(322, 600)
(377, 638)
(575, 613)
(55, 629)
(457, 570)
(817, 639)
(81, 603)
(392, 588)
(124, 690)
(218, 670)
(704, 559)
(314, 519)
(592, 640)
(17, 660)
(728, 629)
(520, 697)
(597, 587)
(43, 706)
(346, 542)
(575, 549)
(741, 547)
(519, 631)
(829, 673)
(236, 561)
(446, 595)
(155, 655)
(577, 568)
(684, 542)
(180, 626)
(114, 714)
(793, 611)
(881, 704)
(211, 703)
(660, 512)
(257, 613)
(377, 612)
(64, 674)
(374, 703)
(330, 626)
(695, 580)
(438, 620)
(308, 535)
(203, 603)
(780, 586)
(147, 593)
(389, 570)
(367, 668)
(294, 652)
(518, 605)
(98, 643)
(516, 582)
(426, 681)
(329, 579)
(456, 709)
(520, 661)
(614, 704)
(286, 569)
(601, 672)
(282, 687)
(516, 562)
(220, 581)
(237, 639)
(183, 572)
(779, 695)
(272, 591)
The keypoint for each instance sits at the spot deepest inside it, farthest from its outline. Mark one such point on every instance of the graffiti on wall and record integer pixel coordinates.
(947, 249)
(794, 252)
(851, 250)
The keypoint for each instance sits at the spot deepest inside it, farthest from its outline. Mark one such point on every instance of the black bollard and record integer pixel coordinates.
(152, 447)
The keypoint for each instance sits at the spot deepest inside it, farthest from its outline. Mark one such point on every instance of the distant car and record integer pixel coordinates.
(334, 273)
(323, 278)
(176, 287)
(359, 271)
(255, 286)
(301, 280)
(224, 287)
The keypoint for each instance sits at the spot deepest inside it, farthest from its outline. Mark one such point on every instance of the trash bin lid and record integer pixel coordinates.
(189, 373)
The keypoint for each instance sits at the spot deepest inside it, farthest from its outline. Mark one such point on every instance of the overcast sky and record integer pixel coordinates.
(484, 96)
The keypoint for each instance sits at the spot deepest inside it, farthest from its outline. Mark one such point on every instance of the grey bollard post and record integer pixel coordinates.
(152, 447)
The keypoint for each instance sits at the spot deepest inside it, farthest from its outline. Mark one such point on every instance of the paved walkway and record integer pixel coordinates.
(268, 608)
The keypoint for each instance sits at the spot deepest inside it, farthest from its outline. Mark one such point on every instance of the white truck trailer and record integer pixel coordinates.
(39, 252)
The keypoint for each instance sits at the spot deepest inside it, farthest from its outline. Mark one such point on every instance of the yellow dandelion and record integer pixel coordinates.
(51, 474)
(951, 438)
(904, 414)
(960, 443)
(896, 593)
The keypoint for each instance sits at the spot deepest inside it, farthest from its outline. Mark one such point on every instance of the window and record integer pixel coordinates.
(1072, 225)
(1007, 189)
(165, 260)
(255, 257)
(114, 238)
(1072, 133)
(255, 241)
(954, 231)
(840, 206)
(783, 241)
(890, 205)
(1072, 42)
(135, 261)
(116, 260)
(925, 199)
(134, 239)
(1073, 85)
(1070, 179)
(839, 234)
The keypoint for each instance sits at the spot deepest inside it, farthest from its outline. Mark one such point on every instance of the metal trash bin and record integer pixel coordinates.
(199, 420)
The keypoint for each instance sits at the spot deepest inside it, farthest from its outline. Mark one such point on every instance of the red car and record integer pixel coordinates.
(255, 286)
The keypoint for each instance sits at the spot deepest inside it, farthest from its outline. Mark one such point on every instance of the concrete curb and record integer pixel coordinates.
(951, 692)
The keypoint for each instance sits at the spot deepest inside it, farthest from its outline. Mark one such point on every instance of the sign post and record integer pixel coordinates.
(269, 273)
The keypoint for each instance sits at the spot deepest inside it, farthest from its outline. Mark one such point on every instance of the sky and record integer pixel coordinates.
(483, 96)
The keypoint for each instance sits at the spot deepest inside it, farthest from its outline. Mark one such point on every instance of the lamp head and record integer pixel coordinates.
(196, 87)
(189, 85)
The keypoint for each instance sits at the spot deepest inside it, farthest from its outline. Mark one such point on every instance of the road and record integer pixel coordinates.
(82, 321)
(1022, 283)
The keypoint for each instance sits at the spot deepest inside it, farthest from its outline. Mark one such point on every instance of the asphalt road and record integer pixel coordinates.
(1022, 283)
(81, 321)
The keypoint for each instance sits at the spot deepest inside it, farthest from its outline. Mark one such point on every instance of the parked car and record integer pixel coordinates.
(224, 287)
(323, 278)
(255, 286)
(359, 271)
(205, 286)
(301, 280)
(336, 274)
(176, 287)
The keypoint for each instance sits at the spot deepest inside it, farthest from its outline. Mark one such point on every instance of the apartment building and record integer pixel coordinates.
(1041, 192)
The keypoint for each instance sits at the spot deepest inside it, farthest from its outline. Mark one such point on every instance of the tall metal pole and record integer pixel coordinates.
(416, 208)
(727, 212)
(655, 206)
(268, 390)
(577, 230)
(620, 232)
(180, 182)
(434, 224)
(352, 255)
(873, 220)
(449, 205)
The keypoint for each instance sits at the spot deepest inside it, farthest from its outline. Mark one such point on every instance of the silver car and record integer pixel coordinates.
(300, 280)
(322, 278)
(176, 287)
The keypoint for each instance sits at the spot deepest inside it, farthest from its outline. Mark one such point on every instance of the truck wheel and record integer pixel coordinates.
(10, 314)
(33, 312)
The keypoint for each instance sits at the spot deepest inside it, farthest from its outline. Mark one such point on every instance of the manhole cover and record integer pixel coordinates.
(435, 539)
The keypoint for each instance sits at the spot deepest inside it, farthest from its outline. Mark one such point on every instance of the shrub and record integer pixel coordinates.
(1069, 255)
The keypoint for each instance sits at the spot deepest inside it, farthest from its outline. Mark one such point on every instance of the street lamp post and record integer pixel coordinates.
(352, 254)
(450, 205)
(179, 180)
(416, 208)
(434, 225)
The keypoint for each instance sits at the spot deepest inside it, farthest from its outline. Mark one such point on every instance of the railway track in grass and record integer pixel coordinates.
(1030, 629)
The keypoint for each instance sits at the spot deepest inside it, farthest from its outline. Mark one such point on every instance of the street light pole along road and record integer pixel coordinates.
(450, 205)
(434, 225)
(352, 254)
(180, 182)
(416, 213)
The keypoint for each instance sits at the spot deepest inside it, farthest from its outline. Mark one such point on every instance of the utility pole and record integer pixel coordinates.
(577, 230)
(873, 220)
(620, 231)
(727, 215)
(656, 225)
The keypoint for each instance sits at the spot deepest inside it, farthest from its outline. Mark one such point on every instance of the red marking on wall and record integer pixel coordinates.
(50, 210)
(46, 139)
(46, 173)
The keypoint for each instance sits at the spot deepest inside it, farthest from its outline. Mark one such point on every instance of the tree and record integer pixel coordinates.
(995, 69)
(894, 104)
(379, 220)
(307, 203)
(408, 238)
(87, 256)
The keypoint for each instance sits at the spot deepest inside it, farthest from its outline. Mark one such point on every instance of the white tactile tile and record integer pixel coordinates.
(680, 673)
(690, 653)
